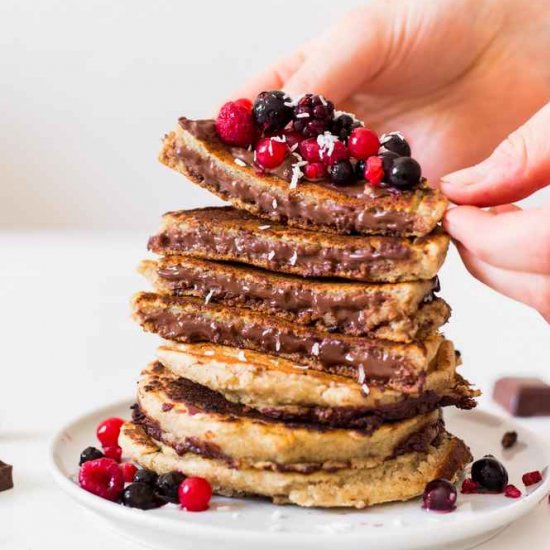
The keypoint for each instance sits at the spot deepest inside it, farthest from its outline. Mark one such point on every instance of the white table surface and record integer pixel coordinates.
(69, 346)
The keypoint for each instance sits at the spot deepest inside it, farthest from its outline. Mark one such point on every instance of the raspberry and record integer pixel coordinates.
(194, 494)
(469, 486)
(363, 143)
(235, 125)
(108, 431)
(244, 102)
(114, 452)
(530, 478)
(511, 491)
(102, 477)
(374, 171)
(128, 471)
(338, 152)
(310, 150)
(314, 171)
(270, 153)
(313, 115)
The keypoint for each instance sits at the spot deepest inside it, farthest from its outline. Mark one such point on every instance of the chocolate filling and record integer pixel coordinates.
(191, 321)
(348, 310)
(418, 442)
(310, 258)
(359, 218)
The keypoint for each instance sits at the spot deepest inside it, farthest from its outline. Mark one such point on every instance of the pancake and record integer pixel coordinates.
(189, 416)
(188, 320)
(282, 389)
(400, 478)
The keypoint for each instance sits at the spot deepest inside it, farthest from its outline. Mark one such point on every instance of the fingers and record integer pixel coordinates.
(509, 238)
(518, 167)
(530, 288)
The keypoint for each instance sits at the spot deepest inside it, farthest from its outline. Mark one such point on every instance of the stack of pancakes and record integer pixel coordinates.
(302, 356)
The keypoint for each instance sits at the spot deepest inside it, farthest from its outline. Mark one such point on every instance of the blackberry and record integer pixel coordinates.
(146, 476)
(360, 169)
(313, 115)
(168, 485)
(89, 453)
(272, 111)
(341, 172)
(395, 143)
(404, 174)
(342, 126)
(140, 495)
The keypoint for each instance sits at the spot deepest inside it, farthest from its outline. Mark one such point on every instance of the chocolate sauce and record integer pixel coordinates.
(229, 234)
(189, 320)
(344, 216)
(350, 309)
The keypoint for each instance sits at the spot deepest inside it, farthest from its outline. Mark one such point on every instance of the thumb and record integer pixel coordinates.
(518, 167)
(346, 56)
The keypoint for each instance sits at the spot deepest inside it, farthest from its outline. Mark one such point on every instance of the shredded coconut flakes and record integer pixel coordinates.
(240, 162)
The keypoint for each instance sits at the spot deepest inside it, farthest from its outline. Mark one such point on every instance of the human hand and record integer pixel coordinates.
(455, 76)
(506, 247)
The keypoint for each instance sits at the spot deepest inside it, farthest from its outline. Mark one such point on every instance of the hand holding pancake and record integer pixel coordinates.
(507, 248)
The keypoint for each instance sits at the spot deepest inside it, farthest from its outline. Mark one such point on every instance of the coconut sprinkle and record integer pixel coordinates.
(271, 255)
(240, 162)
(292, 101)
(297, 173)
(274, 204)
(209, 296)
(293, 258)
(326, 144)
(315, 349)
(241, 356)
(388, 136)
(362, 376)
(365, 389)
(262, 227)
(302, 115)
(280, 139)
(209, 352)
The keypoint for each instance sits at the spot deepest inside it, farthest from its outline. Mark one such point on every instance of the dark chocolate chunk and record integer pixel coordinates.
(523, 396)
(509, 439)
(6, 477)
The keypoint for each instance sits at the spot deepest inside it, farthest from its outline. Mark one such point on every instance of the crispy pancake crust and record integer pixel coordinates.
(400, 478)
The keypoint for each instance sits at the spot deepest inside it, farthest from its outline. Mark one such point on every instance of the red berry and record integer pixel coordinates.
(128, 471)
(363, 143)
(292, 138)
(469, 486)
(530, 478)
(108, 431)
(102, 477)
(374, 171)
(235, 125)
(270, 153)
(511, 491)
(314, 171)
(310, 150)
(339, 152)
(114, 452)
(194, 494)
(244, 102)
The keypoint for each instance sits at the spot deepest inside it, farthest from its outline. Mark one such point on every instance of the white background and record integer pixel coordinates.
(87, 89)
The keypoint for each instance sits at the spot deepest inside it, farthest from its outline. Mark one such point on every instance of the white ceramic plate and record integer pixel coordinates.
(249, 524)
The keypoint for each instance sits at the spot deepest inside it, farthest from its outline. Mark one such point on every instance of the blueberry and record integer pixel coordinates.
(168, 485)
(387, 160)
(439, 496)
(271, 111)
(396, 144)
(146, 476)
(490, 474)
(341, 172)
(404, 173)
(89, 453)
(360, 169)
(140, 495)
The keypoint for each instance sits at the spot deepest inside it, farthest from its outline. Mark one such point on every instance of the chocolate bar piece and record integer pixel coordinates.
(523, 396)
(6, 478)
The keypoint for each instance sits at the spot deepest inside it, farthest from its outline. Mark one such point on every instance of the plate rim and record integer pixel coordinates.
(488, 522)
